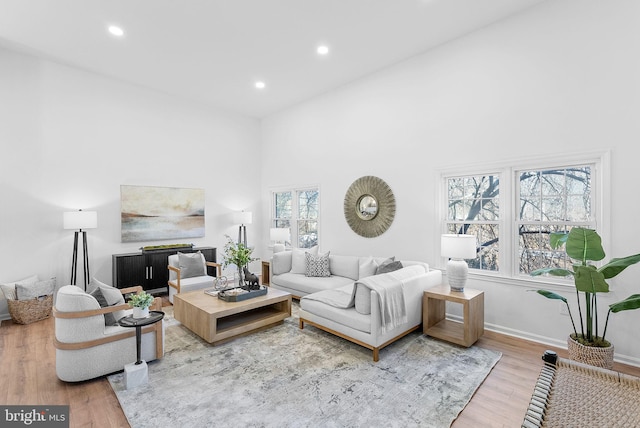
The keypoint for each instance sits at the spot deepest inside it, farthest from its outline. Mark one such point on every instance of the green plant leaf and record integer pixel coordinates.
(552, 271)
(551, 295)
(631, 302)
(584, 244)
(589, 280)
(617, 265)
(558, 239)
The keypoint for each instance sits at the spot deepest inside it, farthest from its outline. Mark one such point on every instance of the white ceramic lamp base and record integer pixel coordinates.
(457, 270)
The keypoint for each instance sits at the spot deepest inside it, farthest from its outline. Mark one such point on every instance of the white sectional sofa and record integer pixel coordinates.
(288, 272)
(353, 301)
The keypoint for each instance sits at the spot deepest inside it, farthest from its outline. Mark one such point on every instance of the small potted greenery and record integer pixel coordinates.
(140, 303)
(584, 246)
(237, 254)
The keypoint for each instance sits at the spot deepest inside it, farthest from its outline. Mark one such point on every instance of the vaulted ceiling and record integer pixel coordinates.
(215, 51)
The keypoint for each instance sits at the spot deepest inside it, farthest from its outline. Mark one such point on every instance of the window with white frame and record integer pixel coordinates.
(513, 210)
(298, 210)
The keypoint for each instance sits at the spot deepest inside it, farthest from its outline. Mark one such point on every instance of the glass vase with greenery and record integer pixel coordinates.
(236, 253)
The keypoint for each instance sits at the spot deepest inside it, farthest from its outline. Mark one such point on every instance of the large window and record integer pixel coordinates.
(512, 210)
(473, 209)
(298, 210)
(550, 200)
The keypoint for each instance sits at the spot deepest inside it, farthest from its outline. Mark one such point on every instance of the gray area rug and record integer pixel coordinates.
(287, 377)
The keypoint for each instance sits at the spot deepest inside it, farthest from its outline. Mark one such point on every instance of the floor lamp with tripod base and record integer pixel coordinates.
(80, 221)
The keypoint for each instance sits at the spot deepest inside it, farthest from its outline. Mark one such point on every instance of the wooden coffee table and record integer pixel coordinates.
(215, 320)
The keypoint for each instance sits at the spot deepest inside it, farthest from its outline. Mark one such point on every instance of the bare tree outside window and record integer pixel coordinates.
(548, 200)
(552, 200)
(473, 209)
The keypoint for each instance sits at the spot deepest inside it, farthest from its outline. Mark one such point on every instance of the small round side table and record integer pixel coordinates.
(138, 373)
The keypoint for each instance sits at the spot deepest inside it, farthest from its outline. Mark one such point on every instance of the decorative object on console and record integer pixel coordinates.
(165, 247)
(369, 206)
(457, 248)
(280, 236)
(152, 213)
(242, 218)
(140, 303)
(238, 254)
(80, 220)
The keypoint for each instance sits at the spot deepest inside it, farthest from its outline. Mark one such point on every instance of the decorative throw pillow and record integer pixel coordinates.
(109, 319)
(29, 291)
(346, 266)
(317, 266)
(388, 265)
(113, 297)
(367, 268)
(9, 289)
(281, 263)
(191, 265)
(298, 261)
(363, 299)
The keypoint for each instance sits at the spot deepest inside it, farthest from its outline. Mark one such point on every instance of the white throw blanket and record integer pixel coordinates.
(388, 286)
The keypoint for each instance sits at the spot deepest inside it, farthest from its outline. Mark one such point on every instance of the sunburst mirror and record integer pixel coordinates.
(369, 206)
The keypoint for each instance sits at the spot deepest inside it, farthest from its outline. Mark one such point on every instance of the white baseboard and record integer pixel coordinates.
(620, 358)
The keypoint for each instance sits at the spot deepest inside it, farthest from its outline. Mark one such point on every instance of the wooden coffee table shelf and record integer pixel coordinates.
(215, 320)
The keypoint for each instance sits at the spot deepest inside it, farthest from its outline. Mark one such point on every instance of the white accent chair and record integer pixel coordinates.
(86, 348)
(179, 283)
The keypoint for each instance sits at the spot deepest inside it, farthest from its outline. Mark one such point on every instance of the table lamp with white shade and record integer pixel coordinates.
(279, 236)
(457, 248)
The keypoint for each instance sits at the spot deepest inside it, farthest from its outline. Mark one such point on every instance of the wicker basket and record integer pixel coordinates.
(28, 311)
(594, 356)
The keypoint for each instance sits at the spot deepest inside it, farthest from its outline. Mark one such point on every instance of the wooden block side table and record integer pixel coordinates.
(435, 324)
(265, 272)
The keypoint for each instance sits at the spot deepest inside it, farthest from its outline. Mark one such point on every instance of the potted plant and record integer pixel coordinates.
(237, 254)
(584, 246)
(140, 303)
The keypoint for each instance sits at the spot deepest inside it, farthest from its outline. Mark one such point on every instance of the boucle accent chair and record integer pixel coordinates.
(188, 272)
(86, 347)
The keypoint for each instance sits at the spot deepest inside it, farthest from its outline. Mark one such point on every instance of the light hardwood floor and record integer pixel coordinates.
(27, 373)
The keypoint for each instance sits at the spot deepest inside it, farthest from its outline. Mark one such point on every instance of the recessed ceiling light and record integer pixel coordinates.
(116, 31)
(260, 84)
(322, 50)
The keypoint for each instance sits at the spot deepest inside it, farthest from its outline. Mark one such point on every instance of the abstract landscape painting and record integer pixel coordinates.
(153, 213)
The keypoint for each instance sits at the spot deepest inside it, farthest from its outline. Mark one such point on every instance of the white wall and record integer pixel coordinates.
(559, 78)
(70, 138)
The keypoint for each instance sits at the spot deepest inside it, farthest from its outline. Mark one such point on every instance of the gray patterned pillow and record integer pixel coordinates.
(317, 266)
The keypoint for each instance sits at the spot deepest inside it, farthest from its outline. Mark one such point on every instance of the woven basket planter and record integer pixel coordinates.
(594, 356)
(28, 311)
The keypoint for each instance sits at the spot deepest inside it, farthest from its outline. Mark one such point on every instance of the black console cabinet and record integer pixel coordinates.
(149, 268)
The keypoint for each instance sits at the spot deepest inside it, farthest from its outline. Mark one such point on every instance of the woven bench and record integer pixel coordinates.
(572, 394)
